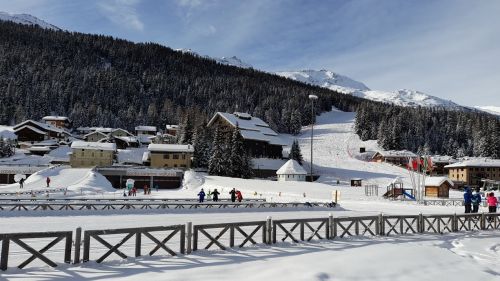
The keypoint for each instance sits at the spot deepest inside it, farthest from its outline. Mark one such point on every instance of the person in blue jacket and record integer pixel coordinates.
(476, 201)
(467, 200)
(201, 196)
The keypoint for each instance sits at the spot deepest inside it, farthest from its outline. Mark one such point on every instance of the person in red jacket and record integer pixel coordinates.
(492, 204)
(239, 196)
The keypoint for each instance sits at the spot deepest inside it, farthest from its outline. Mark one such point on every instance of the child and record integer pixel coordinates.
(492, 204)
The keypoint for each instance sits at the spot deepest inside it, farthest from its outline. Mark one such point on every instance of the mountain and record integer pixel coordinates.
(27, 19)
(339, 83)
(232, 61)
(326, 79)
(490, 109)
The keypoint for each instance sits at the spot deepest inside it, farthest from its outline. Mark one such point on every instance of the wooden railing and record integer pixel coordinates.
(188, 238)
(124, 199)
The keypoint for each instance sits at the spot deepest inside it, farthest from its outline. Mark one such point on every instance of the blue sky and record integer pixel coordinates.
(446, 48)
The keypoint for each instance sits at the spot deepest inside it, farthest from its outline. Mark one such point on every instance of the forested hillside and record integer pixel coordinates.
(101, 81)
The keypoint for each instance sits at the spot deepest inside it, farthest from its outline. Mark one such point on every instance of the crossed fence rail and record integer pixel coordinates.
(188, 238)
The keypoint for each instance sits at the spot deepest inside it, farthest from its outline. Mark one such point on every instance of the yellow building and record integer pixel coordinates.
(89, 154)
(471, 172)
(170, 155)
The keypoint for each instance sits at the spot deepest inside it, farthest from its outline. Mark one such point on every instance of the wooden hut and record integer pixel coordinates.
(438, 187)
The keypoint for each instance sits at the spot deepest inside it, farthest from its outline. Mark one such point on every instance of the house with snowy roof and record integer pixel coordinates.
(169, 156)
(396, 157)
(291, 171)
(34, 131)
(438, 187)
(121, 137)
(472, 171)
(62, 122)
(259, 139)
(145, 130)
(90, 154)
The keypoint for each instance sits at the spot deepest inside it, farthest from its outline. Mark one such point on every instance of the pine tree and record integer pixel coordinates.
(201, 141)
(237, 154)
(295, 152)
(216, 164)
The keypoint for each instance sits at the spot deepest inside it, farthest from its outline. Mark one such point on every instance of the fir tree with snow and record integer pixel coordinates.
(201, 141)
(295, 152)
(216, 164)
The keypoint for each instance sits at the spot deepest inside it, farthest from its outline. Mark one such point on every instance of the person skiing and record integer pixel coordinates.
(48, 182)
(21, 183)
(492, 204)
(201, 196)
(239, 196)
(215, 195)
(476, 200)
(233, 194)
(467, 200)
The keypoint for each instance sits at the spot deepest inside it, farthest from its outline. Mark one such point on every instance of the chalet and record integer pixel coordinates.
(169, 156)
(472, 171)
(291, 171)
(121, 137)
(171, 129)
(259, 139)
(43, 147)
(145, 130)
(33, 131)
(438, 187)
(62, 122)
(438, 163)
(396, 157)
(95, 136)
(89, 154)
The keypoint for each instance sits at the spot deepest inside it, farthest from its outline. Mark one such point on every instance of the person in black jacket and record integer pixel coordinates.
(233, 194)
(215, 195)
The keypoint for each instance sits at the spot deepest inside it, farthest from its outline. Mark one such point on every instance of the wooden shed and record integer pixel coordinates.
(356, 182)
(438, 187)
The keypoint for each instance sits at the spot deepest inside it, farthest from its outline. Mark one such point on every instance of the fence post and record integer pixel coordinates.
(4, 258)
(86, 246)
(195, 239)
(189, 235)
(231, 236)
(381, 223)
(330, 225)
(421, 223)
(483, 221)
(78, 241)
(455, 223)
(302, 231)
(67, 247)
(138, 244)
(269, 228)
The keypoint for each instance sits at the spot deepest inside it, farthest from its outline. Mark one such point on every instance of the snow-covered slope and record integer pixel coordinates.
(490, 109)
(336, 82)
(325, 79)
(27, 19)
(406, 97)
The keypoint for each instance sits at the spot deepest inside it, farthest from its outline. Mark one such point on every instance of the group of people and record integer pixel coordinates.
(235, 195)
(473, 200)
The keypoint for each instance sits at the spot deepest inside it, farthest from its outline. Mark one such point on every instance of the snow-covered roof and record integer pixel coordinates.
(41, 126)
(95, 132)
(251, 128)
(93, 145)
(128, 139)
(144, 139)
(397, 180)
(46, 143)
(396, 153)
(102, 129)
(291, 167)
(443, 159)
(172, 127)
(437, 181)
(146, 128)
(478, 162)
(170, 147)
(30, 128)
(40, 148)
(55, 118)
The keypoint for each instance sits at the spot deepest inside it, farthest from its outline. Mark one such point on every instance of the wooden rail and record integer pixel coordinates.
(90, 205)
(241, 234)
(35, 254)
(76, 200)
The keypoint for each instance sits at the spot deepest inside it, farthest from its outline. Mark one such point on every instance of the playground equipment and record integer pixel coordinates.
(396, 190)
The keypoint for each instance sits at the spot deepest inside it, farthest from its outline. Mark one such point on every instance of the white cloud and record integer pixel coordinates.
(122, 12)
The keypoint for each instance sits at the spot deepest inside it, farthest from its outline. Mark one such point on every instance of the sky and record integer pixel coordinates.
(445, 48)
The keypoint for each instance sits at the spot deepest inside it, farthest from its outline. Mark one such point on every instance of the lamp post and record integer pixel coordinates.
(312, 98)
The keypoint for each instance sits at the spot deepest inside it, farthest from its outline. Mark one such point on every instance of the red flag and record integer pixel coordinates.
(414, 164)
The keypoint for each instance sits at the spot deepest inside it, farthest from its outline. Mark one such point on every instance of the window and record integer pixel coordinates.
(183, 156)
(175, 156)
(166, 156)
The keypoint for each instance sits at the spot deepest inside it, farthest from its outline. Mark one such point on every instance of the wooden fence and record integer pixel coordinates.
(142, 205)
(120, 200)
(188, 238)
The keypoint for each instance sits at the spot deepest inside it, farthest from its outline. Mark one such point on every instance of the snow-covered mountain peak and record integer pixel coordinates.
(326, 79)
(405, 97)
(233, 61)
(490, 109)
(27, 19)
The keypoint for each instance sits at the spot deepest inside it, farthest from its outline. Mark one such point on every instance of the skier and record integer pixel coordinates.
(215, 195)
(233, 194)
(48, 182)
(476, 200)
(201, 196)
(239, 196)
(467, 200)
(21, 183)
